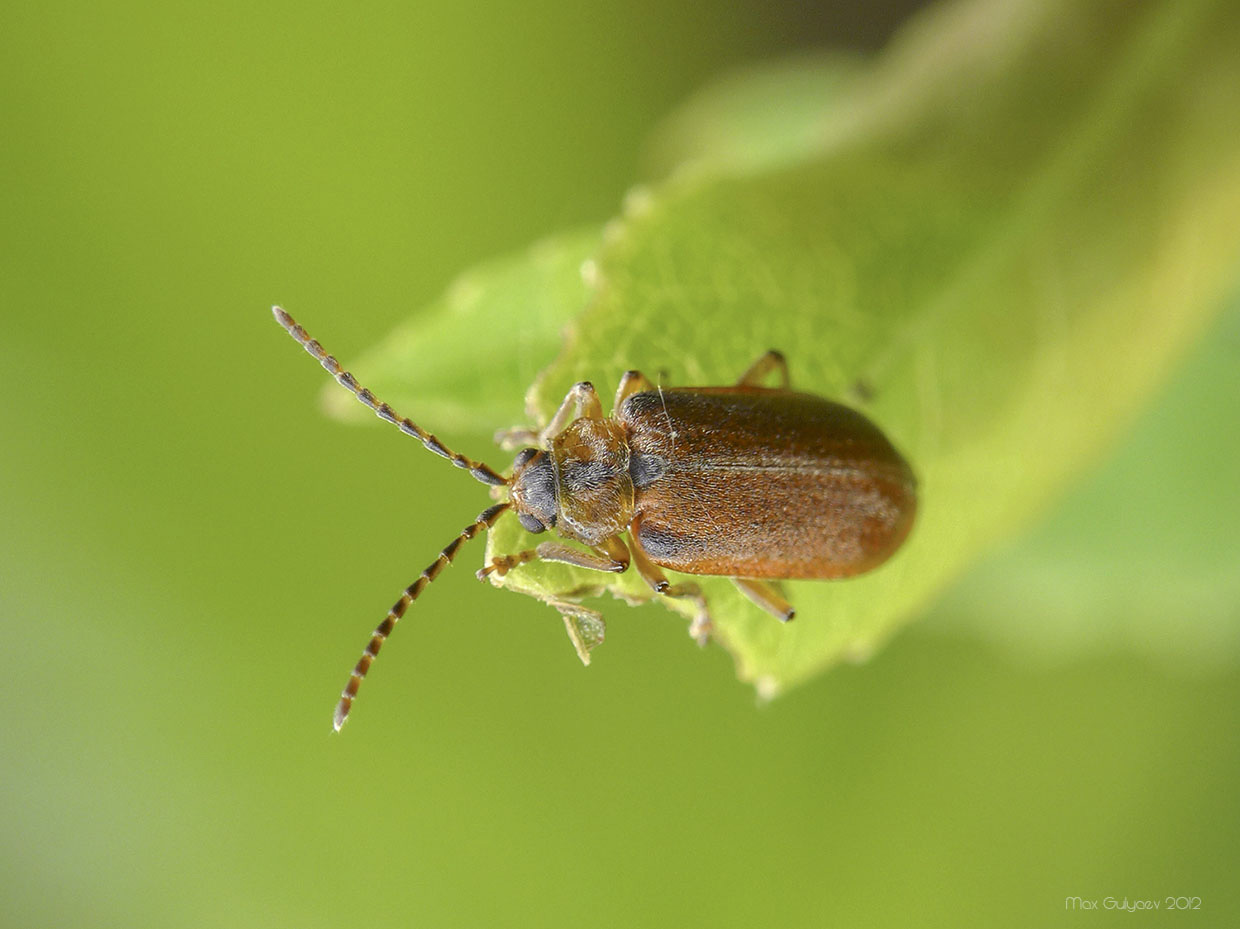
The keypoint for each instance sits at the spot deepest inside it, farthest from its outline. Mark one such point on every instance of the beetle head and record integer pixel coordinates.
(534, 493)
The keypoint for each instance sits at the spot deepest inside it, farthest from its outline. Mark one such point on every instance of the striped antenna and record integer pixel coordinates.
(486, 519)
(480, 471)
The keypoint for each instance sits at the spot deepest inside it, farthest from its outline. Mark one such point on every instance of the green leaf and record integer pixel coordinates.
(464, 362)
(1003, 233)
(757, 118)
(1143, 556)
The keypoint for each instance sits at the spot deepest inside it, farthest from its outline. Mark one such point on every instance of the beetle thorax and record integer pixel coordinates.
(594, 489)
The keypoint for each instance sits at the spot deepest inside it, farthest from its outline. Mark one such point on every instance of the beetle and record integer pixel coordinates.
(753, 483)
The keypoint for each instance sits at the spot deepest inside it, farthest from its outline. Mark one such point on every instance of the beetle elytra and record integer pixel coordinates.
(747, 482)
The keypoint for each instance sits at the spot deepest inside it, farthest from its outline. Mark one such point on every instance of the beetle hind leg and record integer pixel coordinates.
(767, 597)
(771, 361)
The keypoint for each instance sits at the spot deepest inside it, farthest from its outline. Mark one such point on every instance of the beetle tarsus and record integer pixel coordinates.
(701, 628)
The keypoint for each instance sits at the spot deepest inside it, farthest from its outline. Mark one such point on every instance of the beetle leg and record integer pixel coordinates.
(771, 361)
(605, 557)
(632, 382)
(767, 597)
(580, 401)
(518, 437)
(653, 575)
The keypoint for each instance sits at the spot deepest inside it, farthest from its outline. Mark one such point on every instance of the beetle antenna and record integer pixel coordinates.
(480, 471)
(486, 519)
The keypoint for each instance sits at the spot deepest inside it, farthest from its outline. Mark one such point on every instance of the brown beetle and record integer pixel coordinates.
(748, 482)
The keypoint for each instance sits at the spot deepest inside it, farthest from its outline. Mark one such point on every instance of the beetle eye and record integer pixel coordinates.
(531, 523)
(523, 458)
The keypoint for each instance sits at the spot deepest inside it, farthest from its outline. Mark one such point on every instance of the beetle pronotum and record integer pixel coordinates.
(747, 482)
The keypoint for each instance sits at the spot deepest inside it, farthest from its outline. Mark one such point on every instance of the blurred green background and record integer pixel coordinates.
(192, 554)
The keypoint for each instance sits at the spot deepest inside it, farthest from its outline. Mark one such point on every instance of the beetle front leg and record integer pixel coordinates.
(611, 556)
(652, 574)
(580, 401)
(518, 437)
(771, 361)
(585, 627)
